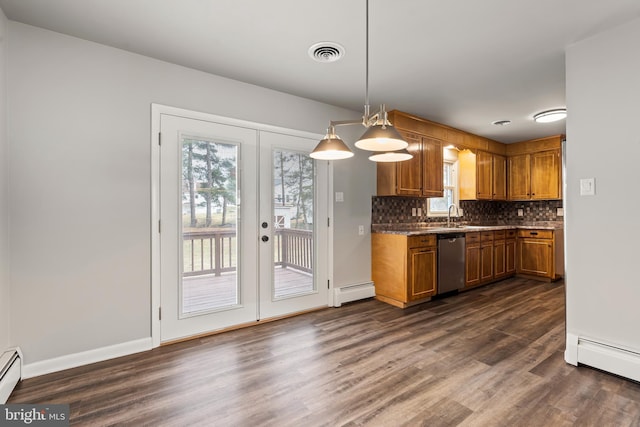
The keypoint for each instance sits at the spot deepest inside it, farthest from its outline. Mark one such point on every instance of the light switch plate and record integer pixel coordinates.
(339, 196)
(520, 212)
(413, 211)
(419, 211)
(560, 212)
(587, 186)
(361, 230)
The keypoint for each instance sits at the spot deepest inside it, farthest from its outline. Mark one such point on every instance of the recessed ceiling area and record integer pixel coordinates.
(464, 64)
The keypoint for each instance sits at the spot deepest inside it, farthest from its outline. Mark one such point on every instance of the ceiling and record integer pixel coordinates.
(464, 63)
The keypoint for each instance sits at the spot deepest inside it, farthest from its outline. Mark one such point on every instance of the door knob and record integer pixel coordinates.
(265, 238)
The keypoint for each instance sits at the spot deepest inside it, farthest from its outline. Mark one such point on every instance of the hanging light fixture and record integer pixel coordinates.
(380, 135)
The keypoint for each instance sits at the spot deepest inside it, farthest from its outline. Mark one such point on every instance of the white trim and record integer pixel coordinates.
(330, 296)
(571, 351)
(354, 292)
(68, 361)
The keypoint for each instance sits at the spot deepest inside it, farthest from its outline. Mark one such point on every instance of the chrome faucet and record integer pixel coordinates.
(449, 214)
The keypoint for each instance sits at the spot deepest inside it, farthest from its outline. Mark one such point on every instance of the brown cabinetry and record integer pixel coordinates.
(490, 256)
(472, 260)
(482, 175)
(534, 169)
(404, 268)
(540, 253)
(499, 255)
(422, 175)
(510, 252)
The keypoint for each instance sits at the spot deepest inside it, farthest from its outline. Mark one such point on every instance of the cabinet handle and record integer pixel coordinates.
(534, 233)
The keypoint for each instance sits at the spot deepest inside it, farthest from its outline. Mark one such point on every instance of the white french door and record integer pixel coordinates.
(242, 225)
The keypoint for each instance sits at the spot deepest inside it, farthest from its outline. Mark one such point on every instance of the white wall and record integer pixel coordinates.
(603, 142)
(79, 199)
(4, 200)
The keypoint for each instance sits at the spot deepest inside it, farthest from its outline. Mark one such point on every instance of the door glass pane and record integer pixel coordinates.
(209, 226)
(293, 207)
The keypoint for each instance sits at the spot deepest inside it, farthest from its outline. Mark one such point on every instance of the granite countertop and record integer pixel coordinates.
(425, 228)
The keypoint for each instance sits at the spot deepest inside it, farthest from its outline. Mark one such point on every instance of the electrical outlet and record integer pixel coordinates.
(419, 211)
(560, 212)
(520, 212)
(413, 211)
(460, 212)
(361, 230)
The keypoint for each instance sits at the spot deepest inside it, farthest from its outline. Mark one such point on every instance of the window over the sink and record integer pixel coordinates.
(439, 206)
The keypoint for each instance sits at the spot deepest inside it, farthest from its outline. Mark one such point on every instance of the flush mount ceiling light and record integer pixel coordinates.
(551, 115)
(380, 135)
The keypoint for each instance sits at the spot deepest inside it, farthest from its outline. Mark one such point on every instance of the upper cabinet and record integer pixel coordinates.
(483, 175)
(534, 169)
(422, 175)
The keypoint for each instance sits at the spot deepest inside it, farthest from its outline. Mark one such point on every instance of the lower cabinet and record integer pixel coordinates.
(540, 253)
(490, 256)
(404, 268)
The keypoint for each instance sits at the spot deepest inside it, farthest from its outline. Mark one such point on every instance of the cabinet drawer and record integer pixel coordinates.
(471, 238)
(511, 234)
(420, 241)
(499, 234)
(486, 236)
(536, 234)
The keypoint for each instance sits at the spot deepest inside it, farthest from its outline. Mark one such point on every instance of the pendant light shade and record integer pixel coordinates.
(331, 148)
(392, 156)
(381, 138)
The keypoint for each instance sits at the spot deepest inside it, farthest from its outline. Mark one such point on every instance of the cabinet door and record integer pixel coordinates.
(510, 255)
(519, 173)
(545, 175)
(409, 172)
(499, 259)
(499, 177)
(432, 167)
(422, 273)
(472, 265)
(484, 175)
(486, 261)
(535, 256)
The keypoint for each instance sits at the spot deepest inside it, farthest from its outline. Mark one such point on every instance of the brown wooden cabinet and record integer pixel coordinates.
(482, 175)
(510, 252)
(486, 256)
(499, 255)
(538, 254)
(420, 176)
(534, 170)
(472, 260)
(404, 268)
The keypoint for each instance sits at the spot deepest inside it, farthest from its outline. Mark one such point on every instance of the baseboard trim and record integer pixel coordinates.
(30, 370)
(607, 357)
(354, 292)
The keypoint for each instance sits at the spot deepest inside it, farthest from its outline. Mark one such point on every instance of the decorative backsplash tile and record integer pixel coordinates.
(397, 210)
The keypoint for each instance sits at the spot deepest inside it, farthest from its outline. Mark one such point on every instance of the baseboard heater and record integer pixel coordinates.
(611, 358)
(10, 373)
(353, 293)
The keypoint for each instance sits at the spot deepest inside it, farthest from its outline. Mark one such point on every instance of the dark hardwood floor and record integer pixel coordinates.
(488, 357)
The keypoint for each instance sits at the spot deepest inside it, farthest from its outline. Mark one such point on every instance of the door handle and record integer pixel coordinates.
(265, 238)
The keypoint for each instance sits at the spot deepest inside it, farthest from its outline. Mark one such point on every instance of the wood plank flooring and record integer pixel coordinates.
(492, 356)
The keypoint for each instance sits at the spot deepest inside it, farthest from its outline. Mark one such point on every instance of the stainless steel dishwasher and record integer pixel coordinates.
(451, 251)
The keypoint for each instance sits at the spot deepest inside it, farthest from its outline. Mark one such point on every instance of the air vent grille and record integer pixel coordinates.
(326, 52)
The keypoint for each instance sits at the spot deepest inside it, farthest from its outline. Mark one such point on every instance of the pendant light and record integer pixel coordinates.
(380, 135)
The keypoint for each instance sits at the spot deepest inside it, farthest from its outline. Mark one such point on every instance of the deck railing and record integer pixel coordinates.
(214, 251)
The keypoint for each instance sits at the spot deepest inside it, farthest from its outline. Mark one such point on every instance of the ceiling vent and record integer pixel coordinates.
(326, 52)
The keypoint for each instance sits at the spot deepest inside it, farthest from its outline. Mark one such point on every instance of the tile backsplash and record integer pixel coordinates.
(397, 210)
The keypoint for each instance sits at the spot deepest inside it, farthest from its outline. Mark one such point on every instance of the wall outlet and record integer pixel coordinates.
(413, 211)
(560, 212)
(361, 230)
(520, 212)
(460, 212)
(419, 211)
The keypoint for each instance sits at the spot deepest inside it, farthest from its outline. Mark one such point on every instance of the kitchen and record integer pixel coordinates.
(510, 196)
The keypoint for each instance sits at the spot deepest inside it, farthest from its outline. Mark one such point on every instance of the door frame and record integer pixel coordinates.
(156, 111)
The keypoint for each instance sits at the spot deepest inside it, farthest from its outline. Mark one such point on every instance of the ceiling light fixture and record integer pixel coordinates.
(380, 135)
(550, 115)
